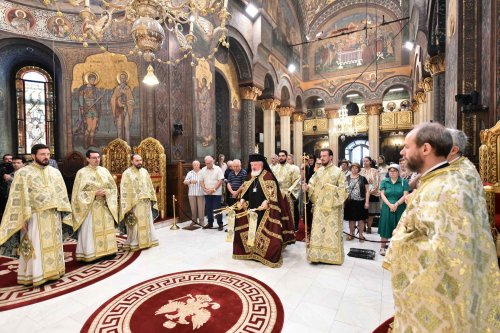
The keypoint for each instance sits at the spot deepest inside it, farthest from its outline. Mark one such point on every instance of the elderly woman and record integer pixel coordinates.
(356, 205)
(371, 174)
(196, 195)
(392, 191)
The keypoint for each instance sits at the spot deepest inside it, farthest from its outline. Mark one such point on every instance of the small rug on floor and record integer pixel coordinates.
(78, 275)
(201, 301)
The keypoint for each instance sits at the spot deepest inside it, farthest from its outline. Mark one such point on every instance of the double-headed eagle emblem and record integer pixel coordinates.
(194, 309)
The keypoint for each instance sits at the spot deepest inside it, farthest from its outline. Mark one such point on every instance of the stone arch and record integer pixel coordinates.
(269, 87)
(318, 92)
(284, 82)
(16, 53)
(400, 80)
(285, 96)
(360, 88)
(242, 54)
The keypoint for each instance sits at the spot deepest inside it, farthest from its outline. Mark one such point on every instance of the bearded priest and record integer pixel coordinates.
(328, 191)
(95, 209)
(139, 206)
(264, 226)
(37, 199)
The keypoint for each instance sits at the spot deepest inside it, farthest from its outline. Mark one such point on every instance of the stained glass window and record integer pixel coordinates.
(35, 108)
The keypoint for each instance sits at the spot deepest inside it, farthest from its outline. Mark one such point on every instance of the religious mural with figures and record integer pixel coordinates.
(105, 99)
(287, 29)
(355, 49)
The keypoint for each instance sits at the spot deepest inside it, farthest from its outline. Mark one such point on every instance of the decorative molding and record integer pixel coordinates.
(421, 97)
(316, 126)
(373, 109)
(391, 121)
(298, 116)
(426, 84)
(285, 111)
(435, 65)
(250, 93)
(270, 104)
(332, 113)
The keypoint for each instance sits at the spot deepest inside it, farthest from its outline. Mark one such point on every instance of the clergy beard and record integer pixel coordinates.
(138, 166)
(282, 162)
(414, 164)
(43, 162)
(255, 173)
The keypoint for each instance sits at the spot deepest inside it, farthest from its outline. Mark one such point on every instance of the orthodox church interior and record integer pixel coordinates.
(175, 81)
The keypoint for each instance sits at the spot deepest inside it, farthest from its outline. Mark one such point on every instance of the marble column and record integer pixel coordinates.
(423, 111)
(373, 111)
(248, 96)
(333, 136)
(285, 112)
(436, 66)
(298, 128)
(269, 108)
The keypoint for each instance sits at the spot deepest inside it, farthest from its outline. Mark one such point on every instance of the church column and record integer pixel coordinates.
(285, 112)
(333, 136)
(298, 128)
(269, 109)
(422, 111)
(248, 96)
(373, 111)
(426, 85)
(436, 66)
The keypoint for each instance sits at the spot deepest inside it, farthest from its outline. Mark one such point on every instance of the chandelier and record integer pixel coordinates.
(152, 20)
(344, 125)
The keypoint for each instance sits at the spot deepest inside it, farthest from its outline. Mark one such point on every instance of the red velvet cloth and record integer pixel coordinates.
(384, 327)
(267, 237)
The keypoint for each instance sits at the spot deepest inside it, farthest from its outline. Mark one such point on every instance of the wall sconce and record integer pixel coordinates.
(177, 129)
(315, 128)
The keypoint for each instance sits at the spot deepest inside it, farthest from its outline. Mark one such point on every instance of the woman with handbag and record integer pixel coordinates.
(356, 205)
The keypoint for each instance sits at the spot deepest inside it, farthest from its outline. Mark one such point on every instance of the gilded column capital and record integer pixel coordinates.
(435, 65)
(270, 104)
(414, 105)
(285, 111)
(332, 113)
(298, 116)
(426, 84)
(250, 93)
(373, 109)
(420, 97)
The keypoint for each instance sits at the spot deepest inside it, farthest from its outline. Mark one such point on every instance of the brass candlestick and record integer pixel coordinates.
(174, 226)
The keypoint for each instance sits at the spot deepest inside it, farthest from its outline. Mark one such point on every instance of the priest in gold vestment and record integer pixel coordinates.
(327, 190)
(36, 201)
(445, 275)
(94, 202)
(138, 206)
(288, 177)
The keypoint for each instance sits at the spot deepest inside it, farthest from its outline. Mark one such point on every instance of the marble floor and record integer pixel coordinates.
(354, 297)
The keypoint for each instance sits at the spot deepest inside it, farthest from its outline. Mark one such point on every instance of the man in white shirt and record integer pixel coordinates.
(211, 180)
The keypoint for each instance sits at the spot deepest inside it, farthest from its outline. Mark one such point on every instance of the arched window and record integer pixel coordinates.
(35, 108)
(357, 150)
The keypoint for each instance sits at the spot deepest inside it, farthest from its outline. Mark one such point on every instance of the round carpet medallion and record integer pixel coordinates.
(202, 301)
(77, 276)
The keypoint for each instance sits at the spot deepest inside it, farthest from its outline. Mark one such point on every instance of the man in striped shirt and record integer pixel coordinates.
(234, 181)
(196, 195)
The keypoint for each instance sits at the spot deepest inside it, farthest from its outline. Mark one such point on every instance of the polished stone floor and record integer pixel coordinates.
(354, 297)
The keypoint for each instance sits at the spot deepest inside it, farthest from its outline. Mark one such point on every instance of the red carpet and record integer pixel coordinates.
(78, 275)
(385, 326)
(203, 301)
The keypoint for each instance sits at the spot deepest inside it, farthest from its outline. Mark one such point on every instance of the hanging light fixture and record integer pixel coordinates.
(344, 125)
(150, 79)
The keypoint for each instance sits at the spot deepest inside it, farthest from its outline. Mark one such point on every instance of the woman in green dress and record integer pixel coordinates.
(392, 192)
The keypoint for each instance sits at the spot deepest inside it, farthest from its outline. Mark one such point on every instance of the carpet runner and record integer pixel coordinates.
(201, 301)
(78, 275)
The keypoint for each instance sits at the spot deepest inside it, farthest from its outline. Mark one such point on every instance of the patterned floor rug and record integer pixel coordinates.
(202, 301)
(77, 275)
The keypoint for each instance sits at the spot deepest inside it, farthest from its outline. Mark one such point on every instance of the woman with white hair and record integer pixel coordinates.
(392, 191)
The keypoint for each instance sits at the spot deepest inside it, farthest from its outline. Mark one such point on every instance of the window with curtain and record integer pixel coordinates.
(35, 108)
